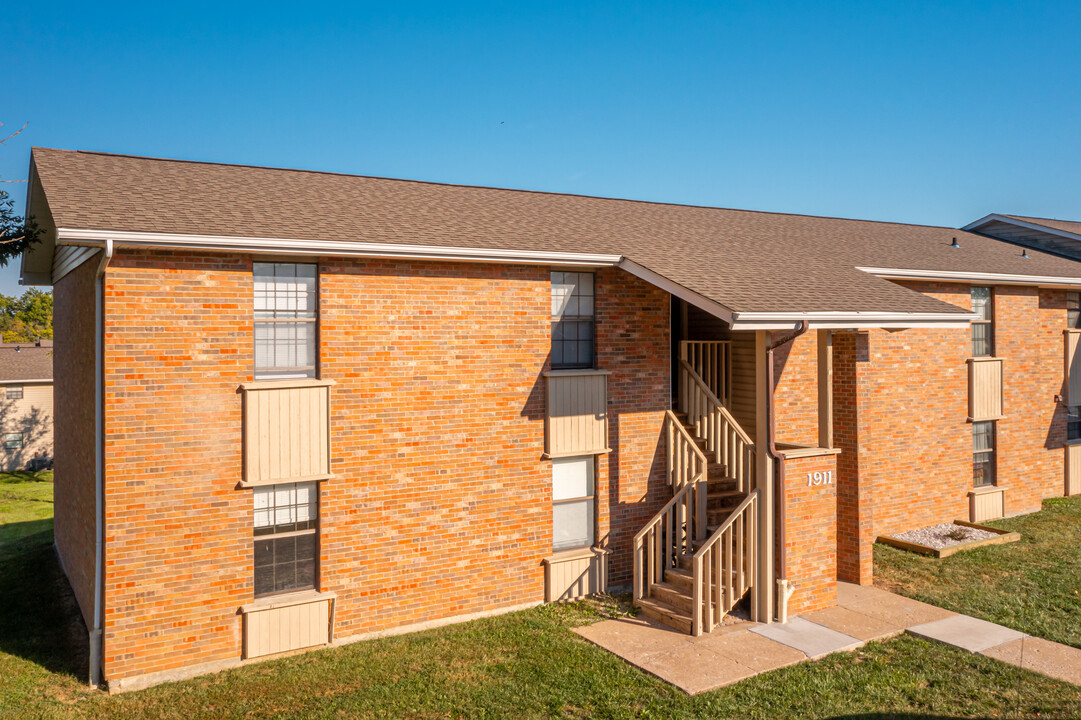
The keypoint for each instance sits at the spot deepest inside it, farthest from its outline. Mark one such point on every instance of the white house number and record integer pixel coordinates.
(820, 478)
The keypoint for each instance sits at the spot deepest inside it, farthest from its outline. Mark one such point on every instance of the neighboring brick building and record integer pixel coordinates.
(305, 409)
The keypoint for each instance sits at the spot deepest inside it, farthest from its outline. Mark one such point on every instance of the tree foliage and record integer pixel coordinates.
(26, 318)
(16, 234)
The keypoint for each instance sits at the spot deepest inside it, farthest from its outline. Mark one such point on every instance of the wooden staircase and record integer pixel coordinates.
(696, 558)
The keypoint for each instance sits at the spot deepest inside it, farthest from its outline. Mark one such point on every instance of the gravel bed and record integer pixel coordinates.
(936, 535)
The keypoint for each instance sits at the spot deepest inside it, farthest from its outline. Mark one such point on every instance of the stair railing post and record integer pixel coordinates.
(696, 600)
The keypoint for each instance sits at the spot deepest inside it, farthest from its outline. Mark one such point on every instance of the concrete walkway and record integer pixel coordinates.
(735, 652)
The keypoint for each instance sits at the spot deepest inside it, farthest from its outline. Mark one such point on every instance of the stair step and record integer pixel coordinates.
(679, 578)
(665, 613)
(723, 494)
(674, 595)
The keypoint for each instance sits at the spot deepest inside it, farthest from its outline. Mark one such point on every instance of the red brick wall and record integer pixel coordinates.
(811, 532)
(795, 382)
(1029, 324)
(441, 503)
(633, 330)
(178, 550)
(901, 407)
(73, 417)
(855, 505)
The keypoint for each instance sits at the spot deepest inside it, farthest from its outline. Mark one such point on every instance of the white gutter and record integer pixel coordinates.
(995, 217)
(37, 381)
(974, 277)
(848, 320)
(290, 246)
(96, 648)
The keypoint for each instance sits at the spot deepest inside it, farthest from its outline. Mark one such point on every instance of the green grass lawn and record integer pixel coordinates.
(1033, 585)
(524, 665)
(26, 508)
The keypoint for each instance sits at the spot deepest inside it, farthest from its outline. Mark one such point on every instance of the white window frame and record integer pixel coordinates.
(569, 491)
(268, 511)
(276, 319)
(16, 444)
(17, 389)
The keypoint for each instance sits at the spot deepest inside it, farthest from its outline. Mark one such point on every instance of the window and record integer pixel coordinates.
(572, 320)
(1073, 310)
(572, 502)
(285, 320)
(14, 392)
(13, 441)
(286, 522)
(983, 453)
(982, 329)
(1073, 423)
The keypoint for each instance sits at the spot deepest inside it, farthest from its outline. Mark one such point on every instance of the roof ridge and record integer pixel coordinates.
(500, 189)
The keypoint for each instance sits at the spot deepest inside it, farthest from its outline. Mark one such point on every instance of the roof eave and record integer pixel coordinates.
(995, 217)
(298, 246)
(964, 276)
(851, 320)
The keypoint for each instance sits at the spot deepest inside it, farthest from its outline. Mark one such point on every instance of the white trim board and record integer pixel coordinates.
(973, 277)
(292, 246)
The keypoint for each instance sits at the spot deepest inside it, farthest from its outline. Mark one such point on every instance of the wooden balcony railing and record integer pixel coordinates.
(712, 360)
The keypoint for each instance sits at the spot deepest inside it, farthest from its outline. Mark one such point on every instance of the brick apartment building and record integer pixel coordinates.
(298, 409)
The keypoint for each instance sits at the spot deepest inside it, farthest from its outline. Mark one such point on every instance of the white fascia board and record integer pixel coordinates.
(974, 277)
(995, 217)
(673, 288)
(286, 246)
(38, 381)
(851, 321)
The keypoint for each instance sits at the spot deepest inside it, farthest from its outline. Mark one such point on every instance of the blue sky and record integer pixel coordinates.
(925, 112)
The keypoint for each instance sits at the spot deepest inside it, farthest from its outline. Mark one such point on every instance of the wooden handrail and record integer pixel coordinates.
(747, 502)
(724, 566)
(670, 534)
(716, 401)
(685, 458)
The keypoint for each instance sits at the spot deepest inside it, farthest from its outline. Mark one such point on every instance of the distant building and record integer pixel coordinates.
(26, 402)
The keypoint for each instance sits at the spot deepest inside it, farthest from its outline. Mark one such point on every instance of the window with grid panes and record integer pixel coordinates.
(572, 320)
(286, 318)
(572, 502)
(1073, 310)
(1073, 423)
(983, 328)
(983, 453)
(286, 541)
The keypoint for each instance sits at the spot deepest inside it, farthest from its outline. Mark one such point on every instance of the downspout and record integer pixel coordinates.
(96, 648)
(784, 588)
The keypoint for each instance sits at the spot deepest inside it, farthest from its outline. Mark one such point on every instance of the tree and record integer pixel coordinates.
(27, 318)
(16, 234)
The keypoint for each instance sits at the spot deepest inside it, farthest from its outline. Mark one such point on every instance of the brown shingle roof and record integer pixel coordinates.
(25, 362)
(747, 261)
(1066, 225)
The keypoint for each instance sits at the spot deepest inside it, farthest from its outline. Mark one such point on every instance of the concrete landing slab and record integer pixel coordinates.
(633, 639)
(887, 607)
(753, 650)
(694, 668)
(1061, 662)
(966, 632)
(811, 639)
(858, 625)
